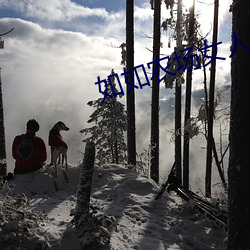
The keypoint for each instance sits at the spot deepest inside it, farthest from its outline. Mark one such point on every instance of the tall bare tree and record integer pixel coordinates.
(211, 104)
(3, 162)
(178, 156)
(131, 129)
(154, 168)
(239, 159)
(188, 101)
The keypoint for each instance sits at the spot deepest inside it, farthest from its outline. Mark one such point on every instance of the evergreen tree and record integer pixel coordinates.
(110, 120)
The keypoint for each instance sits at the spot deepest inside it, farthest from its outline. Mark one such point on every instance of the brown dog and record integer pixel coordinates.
(58, 146)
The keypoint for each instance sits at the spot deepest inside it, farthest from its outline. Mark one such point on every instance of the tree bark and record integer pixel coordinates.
(93, 229)
(178, 158)
(239, 159)
(83, 193)
(154, 168)
(188, 102)
(3, 161)
(218, 164)
(209, 158)
(131, 128)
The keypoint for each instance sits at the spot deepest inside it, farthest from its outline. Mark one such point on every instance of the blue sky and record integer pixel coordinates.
(51, 60)
(109, 5)
(58, 48)
(64, 14)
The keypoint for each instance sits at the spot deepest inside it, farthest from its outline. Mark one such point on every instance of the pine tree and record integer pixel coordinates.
(110, 120)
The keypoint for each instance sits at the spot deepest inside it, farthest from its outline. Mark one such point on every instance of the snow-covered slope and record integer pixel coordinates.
(141, 221)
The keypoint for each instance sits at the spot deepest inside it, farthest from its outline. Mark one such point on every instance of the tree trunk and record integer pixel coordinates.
(239, 159)
(218, 164)
(178, 99)
(3, 162)
(211, 105)
(188, 103)
(94, 231)
(81, 215)
(115, 140)
(131, 130)
(154, 168)
(116, 152)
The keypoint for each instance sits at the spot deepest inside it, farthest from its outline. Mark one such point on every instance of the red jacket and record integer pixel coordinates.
(37, 159)
(55, 139)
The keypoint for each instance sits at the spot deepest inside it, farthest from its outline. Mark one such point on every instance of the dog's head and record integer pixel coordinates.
(61, 126)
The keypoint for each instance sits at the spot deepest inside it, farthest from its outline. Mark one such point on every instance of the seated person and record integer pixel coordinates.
(29, 150)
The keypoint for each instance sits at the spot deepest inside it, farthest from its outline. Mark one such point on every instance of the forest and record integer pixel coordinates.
(216, 115)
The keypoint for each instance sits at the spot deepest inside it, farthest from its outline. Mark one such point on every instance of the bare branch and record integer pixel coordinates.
(7, 32)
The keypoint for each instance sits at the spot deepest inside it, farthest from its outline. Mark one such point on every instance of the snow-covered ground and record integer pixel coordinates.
(141, 221)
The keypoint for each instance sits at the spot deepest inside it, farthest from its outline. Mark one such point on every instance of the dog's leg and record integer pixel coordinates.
(59, 159)
(63, 157)
(51, 155)
(56, 170)
(55, 158)
(66, 161)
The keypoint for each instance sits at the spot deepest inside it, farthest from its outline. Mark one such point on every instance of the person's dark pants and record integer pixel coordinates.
(25, 171)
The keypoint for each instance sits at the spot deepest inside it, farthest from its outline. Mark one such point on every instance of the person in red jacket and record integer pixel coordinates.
(29, 150)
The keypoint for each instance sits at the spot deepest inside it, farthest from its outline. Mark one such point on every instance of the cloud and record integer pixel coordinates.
(143, 12)
(50, 75)
(56, 10)
(69, 15)
(205, 11)
(50, 65)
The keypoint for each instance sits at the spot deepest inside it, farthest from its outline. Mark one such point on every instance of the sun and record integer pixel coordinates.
(188, 3)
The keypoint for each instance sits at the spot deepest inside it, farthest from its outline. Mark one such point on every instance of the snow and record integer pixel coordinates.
(141, 221)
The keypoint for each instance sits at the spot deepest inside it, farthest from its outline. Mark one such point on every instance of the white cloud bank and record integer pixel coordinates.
(50, 69)
(49, 73)
(53, 10)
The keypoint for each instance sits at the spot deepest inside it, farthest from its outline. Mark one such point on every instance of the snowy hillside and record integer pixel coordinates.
(141, 221)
